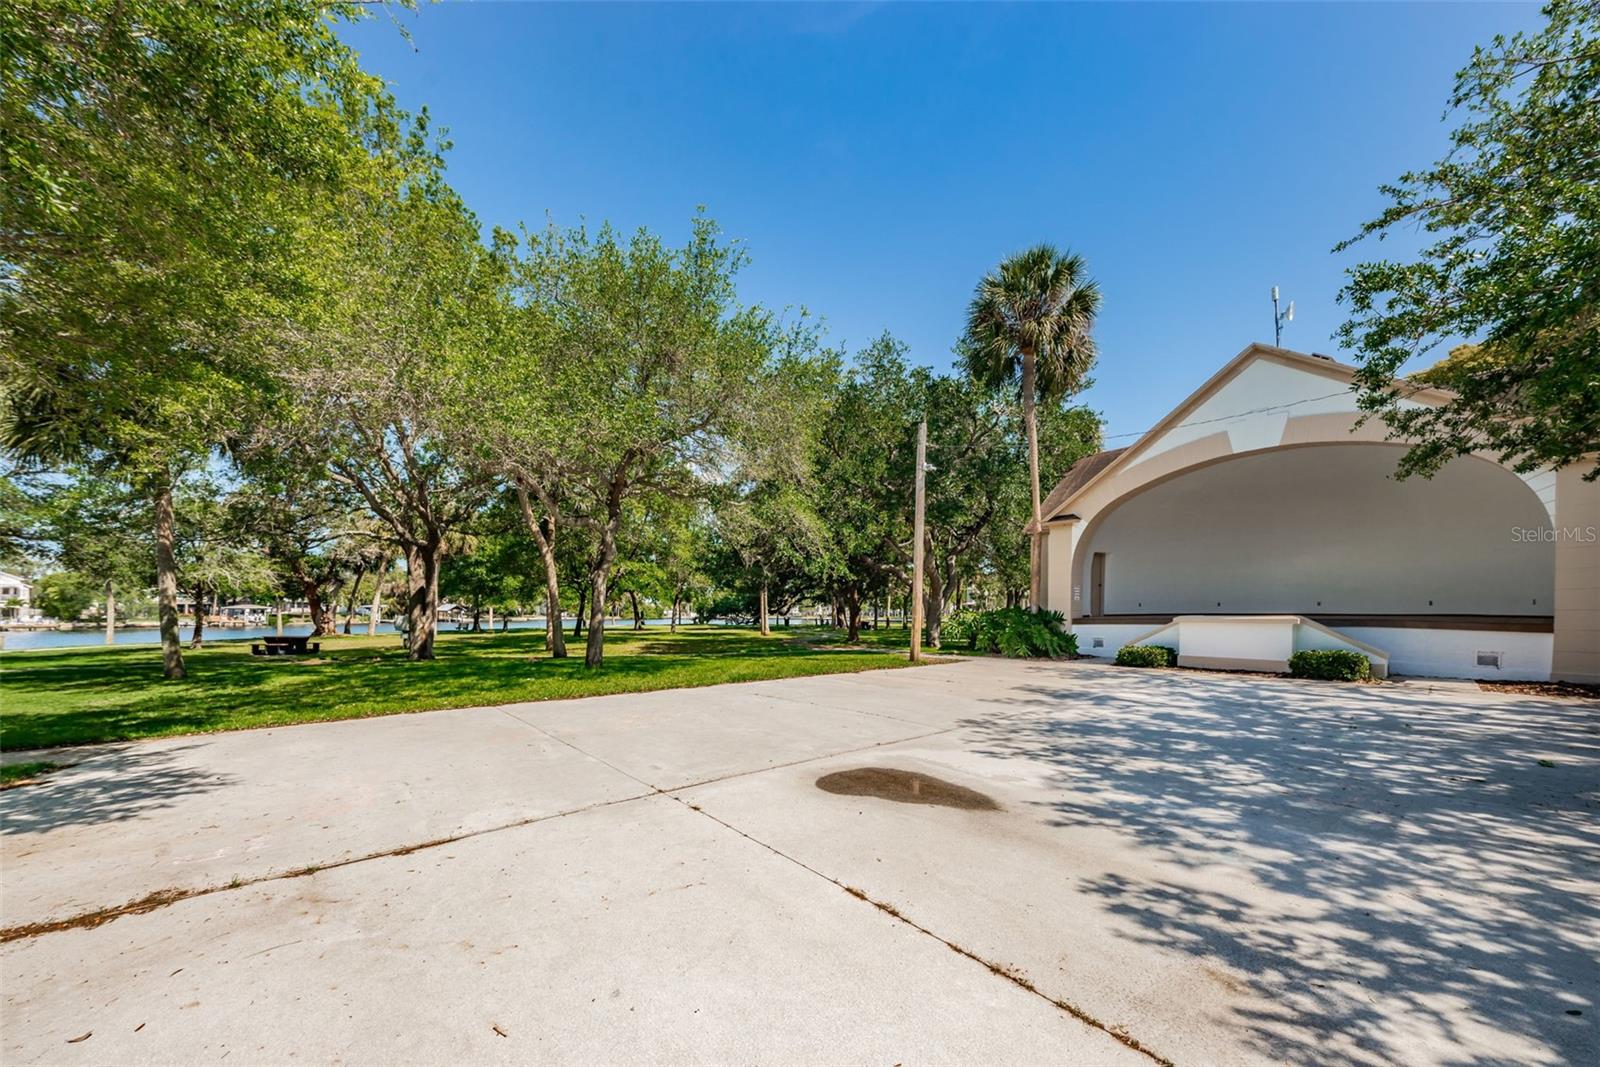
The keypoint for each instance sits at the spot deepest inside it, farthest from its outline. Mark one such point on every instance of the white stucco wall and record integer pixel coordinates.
(1453, 653)
(1426, 653)
(1111, 636)
(1325, 529)
(1230, 638)
(1060, 542)
(1253, 407)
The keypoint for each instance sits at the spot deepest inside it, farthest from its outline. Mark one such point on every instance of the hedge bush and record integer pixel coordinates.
(1014, 632)
(1333, 665)
(1147, 656)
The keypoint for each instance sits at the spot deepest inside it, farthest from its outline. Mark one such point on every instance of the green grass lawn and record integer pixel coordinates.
(78, 695)
(21, 773)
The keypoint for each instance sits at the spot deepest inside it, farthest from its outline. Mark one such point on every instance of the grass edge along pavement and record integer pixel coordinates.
(93, 694)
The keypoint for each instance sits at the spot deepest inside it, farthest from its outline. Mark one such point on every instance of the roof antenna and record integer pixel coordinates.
(1279, 318)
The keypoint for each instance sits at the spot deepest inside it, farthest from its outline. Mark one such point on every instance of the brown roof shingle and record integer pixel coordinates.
(1076, 478)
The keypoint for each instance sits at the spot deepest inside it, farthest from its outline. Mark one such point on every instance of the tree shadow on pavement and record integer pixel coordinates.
(1424, 869)
(125, 784)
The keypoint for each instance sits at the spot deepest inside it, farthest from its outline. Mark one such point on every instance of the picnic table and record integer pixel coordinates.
(286, 646)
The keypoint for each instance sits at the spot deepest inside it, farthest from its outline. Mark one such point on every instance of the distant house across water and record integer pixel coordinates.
(16, 598)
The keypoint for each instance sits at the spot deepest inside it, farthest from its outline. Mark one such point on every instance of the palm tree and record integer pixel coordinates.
(1031, 318)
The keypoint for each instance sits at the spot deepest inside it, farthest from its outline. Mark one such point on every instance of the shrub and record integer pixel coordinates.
(1014, 632)
(961, 627)
(1333, 664)
(1147, 656)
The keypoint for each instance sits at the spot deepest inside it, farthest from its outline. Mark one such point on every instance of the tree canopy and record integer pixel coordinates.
(1512, 262)
(255, 347)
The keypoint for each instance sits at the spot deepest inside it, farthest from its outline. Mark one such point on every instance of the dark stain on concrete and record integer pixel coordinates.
(904, 787)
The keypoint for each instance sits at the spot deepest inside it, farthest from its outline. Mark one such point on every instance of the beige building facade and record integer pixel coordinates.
(1260, 517)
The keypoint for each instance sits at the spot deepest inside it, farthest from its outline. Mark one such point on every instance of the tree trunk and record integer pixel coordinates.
(1030, 420)
(350, 601)
(197, 638)
(320, 610)
(280, 616)
(677, 598)
(577, 621)
(853, 613)
(766, 629)
(111, 612)
(638, 614)
(377, 599)
(422, 606)
(933, 605)
(554, 637)
(594, 651)
(167, 583)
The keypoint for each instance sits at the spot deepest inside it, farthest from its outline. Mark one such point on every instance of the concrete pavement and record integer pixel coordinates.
(1210, 868)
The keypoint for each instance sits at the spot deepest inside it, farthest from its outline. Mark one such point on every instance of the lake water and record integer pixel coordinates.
(21, 640)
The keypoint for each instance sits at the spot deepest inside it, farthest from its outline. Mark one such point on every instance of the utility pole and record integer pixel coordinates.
(916, 544)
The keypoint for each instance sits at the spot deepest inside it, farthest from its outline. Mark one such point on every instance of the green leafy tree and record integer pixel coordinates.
(766, 515)
(1512, 215)
(510, 417)
(1030, 323)
(213, 559)
(972, 452)
(656, 366)
(97, 528)
(863, 478)
(161, 162)
(1067, 433)
(65, 595)
(483, 572)
(411, 298)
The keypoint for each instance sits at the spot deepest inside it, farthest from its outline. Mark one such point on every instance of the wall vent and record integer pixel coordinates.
(1098, 642)
(1490, 659)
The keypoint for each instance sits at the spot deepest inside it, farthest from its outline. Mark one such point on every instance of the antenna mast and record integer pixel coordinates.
(1279, 318)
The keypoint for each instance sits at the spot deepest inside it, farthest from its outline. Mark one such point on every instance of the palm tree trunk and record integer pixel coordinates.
(1030, 420)
(765, 628)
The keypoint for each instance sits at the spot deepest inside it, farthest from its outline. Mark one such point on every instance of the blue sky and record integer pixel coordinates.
(877, 159)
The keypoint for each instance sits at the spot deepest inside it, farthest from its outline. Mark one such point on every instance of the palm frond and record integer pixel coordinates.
(1040, 303)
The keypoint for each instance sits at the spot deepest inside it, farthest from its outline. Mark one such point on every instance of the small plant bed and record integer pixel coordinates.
(1580, 690)
(1146, 656)
(1013, 632)
(1330, 665)
(13, 775)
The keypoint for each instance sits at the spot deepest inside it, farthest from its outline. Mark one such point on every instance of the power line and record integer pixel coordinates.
(1236, 415)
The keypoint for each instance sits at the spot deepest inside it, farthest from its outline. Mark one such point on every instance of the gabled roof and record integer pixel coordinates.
(1091, 469)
